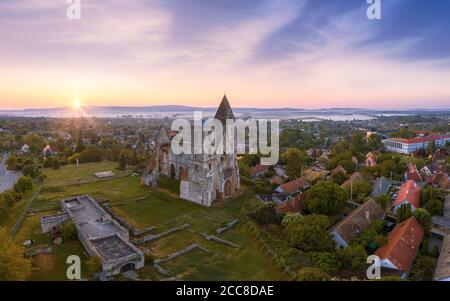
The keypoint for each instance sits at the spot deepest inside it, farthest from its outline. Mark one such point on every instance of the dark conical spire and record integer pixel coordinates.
(224, 111)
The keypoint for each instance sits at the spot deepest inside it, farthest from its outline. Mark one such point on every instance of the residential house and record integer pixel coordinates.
(402, 248)
(353, 225)
(294, 205)
(25, 149)
(412, 173)
(371, 159)
(381, 187)
(354, 178)
(337, 170)
(258, 171)
(409, 193)
(49, 151)
(290, 190)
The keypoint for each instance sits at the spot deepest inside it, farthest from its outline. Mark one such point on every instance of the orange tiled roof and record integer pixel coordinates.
(409, 191)
(403, 245)
(258, 168)
(294, 185)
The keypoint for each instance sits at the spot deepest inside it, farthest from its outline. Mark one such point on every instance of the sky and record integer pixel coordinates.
(261, 53)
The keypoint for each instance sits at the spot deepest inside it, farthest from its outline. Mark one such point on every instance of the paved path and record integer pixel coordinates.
(7, 178)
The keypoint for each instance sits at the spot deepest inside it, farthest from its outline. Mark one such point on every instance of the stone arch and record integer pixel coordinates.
(227, 188)
(173, 172)
(127, 267)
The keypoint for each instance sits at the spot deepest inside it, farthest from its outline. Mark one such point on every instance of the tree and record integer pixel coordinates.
(30, 170)
(312, 274)
(309, 233)
(424, 218)
(56, 164)
(295, 161)
(361, 190)
(435, 207)
(403, 213)
(68, 231)
(353, 257)
(326, 198)
(23, 184)
(13, 265)
(374, 142)
(123, 161)
(326, 261)
(266, 214)
(34, 141)
(372, 237)
(94, 264)
(431, 147)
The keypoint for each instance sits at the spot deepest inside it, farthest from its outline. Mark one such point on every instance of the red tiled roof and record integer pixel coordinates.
(258, 168)
(356, 177)
(421, 139)
(294, 185)
(403, 245)
(409, 191)
(413, 173)
(293, 205)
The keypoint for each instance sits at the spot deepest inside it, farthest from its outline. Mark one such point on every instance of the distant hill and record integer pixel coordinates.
(179, 110)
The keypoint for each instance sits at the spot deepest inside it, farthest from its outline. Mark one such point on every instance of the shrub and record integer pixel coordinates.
(23, 184)
(68, 231)
(312, 274)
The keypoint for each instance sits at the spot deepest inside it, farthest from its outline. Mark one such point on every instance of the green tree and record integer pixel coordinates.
(353, 257)
(94, 265)
(123, 161)
(30, 170)
(56, 164)
(403, 213)
(309, 233)
(361, 190)
(435, 207)
(23, 184)
(68, 231)
(424, 218)
(34, 141)
(312, 274)
(431, 147)
(326, 261)
(13, 265)
(374, 142)
(326, 198)
(295, 161)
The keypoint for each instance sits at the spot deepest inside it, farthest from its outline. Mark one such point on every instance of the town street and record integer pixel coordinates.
(7, 178)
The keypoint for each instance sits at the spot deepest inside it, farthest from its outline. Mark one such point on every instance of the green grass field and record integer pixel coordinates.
(144, 207)
(73, 174)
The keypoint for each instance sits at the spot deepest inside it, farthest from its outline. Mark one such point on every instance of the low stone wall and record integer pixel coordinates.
(38, 250)
(150, 238)
(175, 255)
(227, 227)
(219, 240)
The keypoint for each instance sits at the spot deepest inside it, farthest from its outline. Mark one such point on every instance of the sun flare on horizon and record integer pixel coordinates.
(76, 104)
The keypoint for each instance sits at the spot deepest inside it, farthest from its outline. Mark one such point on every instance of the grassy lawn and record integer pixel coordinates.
(144, 207)
(73, 174)
(49, 266)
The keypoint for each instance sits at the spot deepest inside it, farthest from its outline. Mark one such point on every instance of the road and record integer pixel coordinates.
(7, 178)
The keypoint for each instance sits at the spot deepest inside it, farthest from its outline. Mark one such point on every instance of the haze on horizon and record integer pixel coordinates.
(262, 53)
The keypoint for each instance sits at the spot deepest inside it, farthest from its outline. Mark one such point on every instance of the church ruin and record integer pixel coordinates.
(203, 178)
